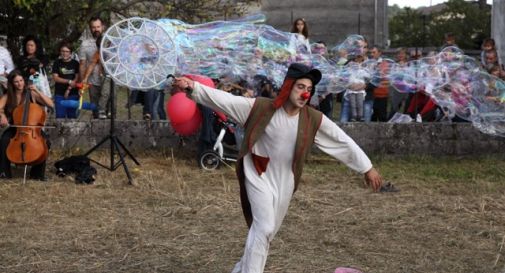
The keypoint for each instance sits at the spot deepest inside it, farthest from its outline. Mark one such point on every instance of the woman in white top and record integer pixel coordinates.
(301, 28)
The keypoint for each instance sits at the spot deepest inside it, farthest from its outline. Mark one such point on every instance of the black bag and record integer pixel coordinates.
(79, 165)
(86, 176)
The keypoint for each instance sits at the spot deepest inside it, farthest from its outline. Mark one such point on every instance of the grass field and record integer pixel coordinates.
(449, 216)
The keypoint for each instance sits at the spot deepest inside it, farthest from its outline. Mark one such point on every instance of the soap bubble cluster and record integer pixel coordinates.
(141, 55)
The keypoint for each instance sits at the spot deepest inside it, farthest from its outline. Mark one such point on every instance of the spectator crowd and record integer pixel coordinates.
(361, 101)
(61, 79)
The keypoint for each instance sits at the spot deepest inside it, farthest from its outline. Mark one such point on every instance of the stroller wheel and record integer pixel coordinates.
(209, 160)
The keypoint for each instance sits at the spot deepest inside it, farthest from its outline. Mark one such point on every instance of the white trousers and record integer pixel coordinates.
(269, 204)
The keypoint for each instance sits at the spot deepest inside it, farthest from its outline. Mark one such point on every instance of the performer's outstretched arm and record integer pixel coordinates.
(335, 142)
(236, 107)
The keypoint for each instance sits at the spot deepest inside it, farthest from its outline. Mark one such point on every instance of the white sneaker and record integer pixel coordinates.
(102, 115)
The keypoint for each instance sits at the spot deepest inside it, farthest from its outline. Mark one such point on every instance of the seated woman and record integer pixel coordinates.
(15, 96)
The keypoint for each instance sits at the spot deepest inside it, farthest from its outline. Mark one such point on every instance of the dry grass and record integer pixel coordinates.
(448, 217)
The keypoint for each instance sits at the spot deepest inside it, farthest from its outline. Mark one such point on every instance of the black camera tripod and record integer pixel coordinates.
(115, 144)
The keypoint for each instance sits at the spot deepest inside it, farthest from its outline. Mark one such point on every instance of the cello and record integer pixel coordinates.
(28, 146)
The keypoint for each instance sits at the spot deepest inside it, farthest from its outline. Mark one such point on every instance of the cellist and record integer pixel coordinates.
(16, 91)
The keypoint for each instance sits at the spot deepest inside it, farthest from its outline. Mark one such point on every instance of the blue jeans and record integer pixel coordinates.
(159, 106)
(148, 100)
(345, 110)
(368, 110)
(62, 111)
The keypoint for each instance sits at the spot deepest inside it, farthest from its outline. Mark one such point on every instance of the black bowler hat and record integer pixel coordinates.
(298, 71)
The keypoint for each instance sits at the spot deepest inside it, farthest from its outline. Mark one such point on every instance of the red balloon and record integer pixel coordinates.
(189, 127)
(184, 115)
(180, 108)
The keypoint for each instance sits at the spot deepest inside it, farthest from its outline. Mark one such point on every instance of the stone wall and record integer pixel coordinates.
(424, 138)
(375, 138)
(135, 135)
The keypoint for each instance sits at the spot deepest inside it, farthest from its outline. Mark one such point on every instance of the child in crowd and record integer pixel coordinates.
(356, 88)
(487, 45)
(342, 57)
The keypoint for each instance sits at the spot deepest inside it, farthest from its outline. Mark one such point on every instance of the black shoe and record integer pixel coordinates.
(388, 187)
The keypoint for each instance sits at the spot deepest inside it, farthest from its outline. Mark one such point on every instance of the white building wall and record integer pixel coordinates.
(498, 27)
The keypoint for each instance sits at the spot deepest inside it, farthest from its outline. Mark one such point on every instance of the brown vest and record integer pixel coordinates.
(258, 119)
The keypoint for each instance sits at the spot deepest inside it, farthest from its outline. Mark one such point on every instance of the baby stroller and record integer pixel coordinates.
(226, 146)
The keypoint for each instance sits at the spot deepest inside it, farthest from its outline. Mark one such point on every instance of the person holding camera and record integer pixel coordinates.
(33, 64)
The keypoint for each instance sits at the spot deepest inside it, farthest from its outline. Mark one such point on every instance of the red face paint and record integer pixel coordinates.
(305, 95)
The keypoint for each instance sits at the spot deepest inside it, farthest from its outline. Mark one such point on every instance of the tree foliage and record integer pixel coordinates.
(55, 20)
(407, 29)
(468, 21)
(393, 11)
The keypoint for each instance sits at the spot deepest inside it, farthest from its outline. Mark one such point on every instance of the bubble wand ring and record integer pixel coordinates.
(138, 53)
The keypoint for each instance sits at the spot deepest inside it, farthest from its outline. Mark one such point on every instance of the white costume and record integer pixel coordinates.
(6, 64)
(300, 40)
(270, 193)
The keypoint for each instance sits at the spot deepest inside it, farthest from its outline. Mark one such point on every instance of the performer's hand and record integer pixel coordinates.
(184, 83)
(373, 179)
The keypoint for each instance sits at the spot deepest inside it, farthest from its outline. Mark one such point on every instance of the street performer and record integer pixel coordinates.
(279, 134)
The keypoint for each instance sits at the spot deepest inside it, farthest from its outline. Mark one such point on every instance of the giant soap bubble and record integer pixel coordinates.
(140, 53)
(353, 45)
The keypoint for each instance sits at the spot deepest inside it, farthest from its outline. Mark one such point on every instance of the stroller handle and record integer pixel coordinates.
(220, 116)
(224, 121)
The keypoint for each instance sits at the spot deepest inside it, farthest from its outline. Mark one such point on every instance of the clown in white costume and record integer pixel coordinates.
(278, 136)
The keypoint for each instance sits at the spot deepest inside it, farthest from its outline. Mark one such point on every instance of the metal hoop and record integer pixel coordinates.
(138, 53)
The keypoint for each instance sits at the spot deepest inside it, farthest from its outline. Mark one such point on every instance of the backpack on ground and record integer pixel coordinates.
(78, 165)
